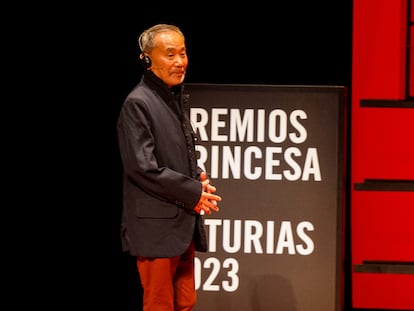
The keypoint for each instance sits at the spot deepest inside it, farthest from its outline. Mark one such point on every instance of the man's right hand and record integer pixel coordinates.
(208, 200)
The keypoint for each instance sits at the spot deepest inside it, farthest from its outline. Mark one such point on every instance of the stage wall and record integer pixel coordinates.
(276, 155)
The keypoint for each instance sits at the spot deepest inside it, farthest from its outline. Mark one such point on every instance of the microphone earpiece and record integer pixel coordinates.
(145, 61)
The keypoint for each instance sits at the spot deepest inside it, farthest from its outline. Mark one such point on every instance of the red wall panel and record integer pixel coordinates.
(386, 140)
(383, 291)
(379, 49)
(411, 63)
(381, 148)
(411, 51)
(383, 226)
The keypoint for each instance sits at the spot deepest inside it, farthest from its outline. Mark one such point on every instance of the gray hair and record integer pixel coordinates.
(146, 40)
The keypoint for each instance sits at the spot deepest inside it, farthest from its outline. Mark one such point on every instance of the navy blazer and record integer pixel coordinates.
(160, 173)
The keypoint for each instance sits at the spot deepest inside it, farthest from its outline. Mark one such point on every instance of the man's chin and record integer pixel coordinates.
(179, 77)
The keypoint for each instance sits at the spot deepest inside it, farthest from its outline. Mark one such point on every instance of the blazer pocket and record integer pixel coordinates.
(153, 208)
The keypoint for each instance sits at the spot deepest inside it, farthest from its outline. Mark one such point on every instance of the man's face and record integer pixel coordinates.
(169, 58)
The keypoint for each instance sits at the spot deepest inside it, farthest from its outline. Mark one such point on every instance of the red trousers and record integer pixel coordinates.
(168, 283)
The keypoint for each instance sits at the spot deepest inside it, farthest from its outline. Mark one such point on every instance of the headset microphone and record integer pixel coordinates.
(145, 59)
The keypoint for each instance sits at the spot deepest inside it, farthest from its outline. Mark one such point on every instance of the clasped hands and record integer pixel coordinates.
(208, 200)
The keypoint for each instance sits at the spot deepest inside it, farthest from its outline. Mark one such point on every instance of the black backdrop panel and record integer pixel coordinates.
(276, 156)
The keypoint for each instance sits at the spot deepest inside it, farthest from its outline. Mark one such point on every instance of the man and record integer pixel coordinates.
(164, 191)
